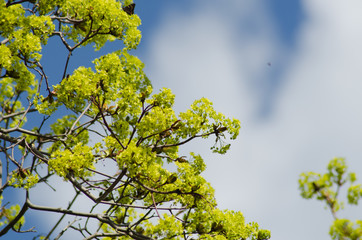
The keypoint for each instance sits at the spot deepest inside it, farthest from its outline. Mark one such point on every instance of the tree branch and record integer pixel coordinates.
(110, 189)
(17, 114)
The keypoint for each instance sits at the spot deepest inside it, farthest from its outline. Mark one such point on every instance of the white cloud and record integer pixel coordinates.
(317, 113)
(323, 92)
(322, 100)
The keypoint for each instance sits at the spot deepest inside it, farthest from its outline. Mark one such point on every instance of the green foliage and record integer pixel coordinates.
(22, 179)
(76, 162)
(344, 229)
(354, 194)
(107, 113)
(8, 214)
(101, 20)
(326, 188)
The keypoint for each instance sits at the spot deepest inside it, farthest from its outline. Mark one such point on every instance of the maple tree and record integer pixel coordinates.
(327, 188)
(154, 192)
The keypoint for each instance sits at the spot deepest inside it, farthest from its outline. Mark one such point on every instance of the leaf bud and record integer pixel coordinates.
(143, 97)
(172, 178)
(216, 227)
(200, 228)
(195, 188)
(176, 125)
(23, 173)
(181, 160)
(165, 134)
(222, 129)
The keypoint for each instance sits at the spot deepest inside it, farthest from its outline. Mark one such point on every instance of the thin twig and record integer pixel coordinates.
(80, 116)
(61, 218)
(154, 203)
(65, 229)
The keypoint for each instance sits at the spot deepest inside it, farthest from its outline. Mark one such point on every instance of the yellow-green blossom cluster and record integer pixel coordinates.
(76, 162)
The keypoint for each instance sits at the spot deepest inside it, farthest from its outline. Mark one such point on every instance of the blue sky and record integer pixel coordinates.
(296, 114)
